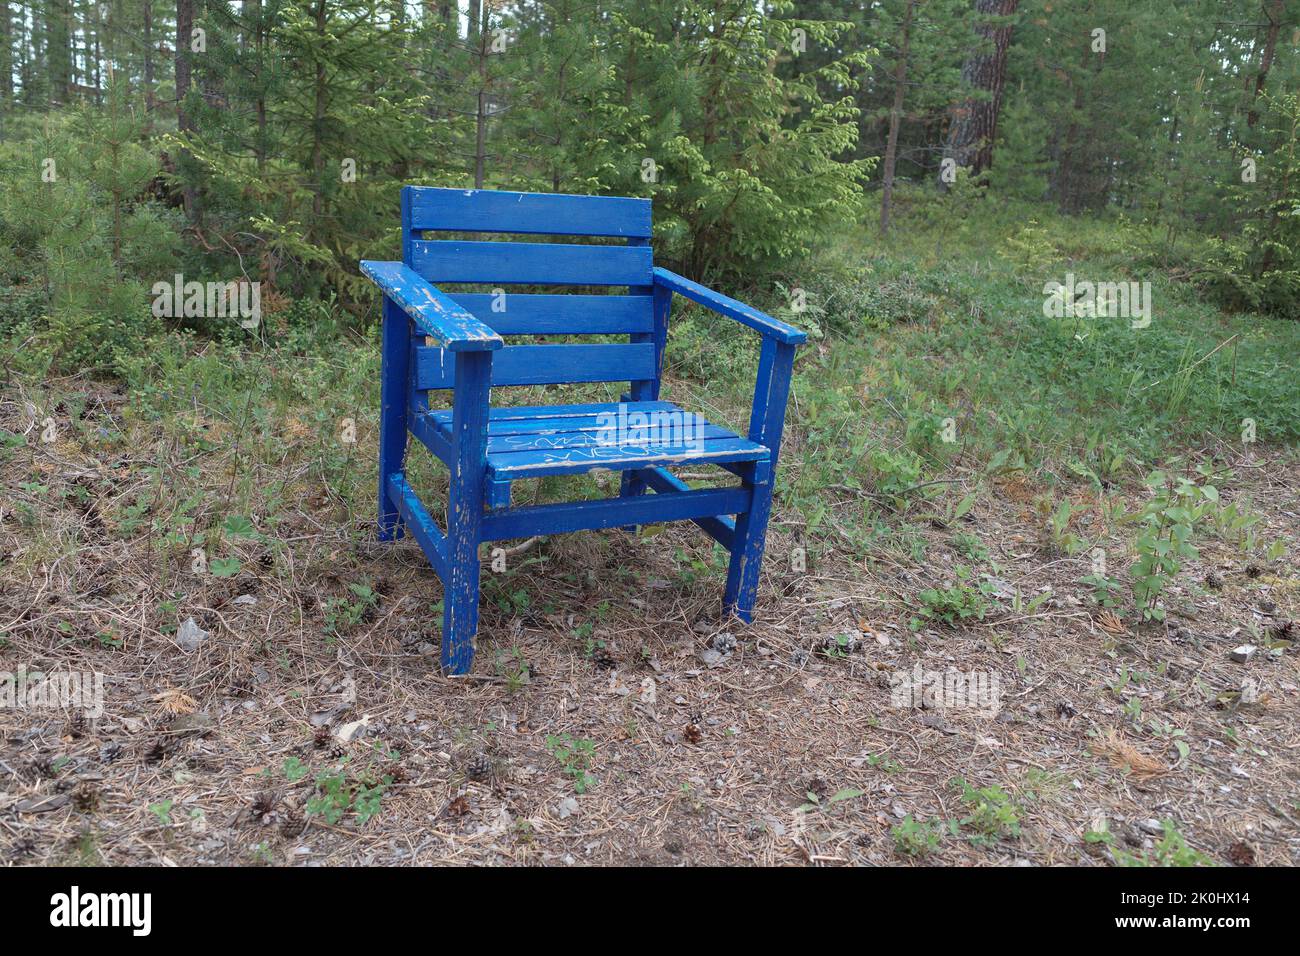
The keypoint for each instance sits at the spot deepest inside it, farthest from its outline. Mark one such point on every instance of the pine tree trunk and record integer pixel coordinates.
(58, 50)
(184, 31)
(475, 11)
(6, 57)
(895, 119)
(96, 65)
(213, 82)
(973, 123)
(318, 120)
(479, 37)
(259, 106)
(148, 62)
(1274, 14)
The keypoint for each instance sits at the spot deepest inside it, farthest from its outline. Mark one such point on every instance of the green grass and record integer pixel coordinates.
(944, 331)
(933, 362)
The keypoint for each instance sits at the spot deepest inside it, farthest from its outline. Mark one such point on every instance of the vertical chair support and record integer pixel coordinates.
(395, 360)
(465, 504)
(632, 483)
(766, 422)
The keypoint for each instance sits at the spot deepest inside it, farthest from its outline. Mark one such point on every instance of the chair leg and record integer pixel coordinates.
(392, 413)
(460, 593)
(631, 485)
(465, 501)
(747, 554)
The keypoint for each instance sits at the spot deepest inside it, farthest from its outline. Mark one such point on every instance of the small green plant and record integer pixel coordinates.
(343, 613)
(993, 814)
(840, 645)
(1063, 540)
(970, 546)
(1030, 250)
(895, 473)
(224, 567)
(514, 603)
(513, 669)
(162, 810)
(239, 526)
(1170, 850)
(884, 762)
(1105, 590)
(815, 802)
(337, 793)
(1233, 523)
(263, 854)
(1168, 521)
(575, 756)
(916, 838)
(954, 604)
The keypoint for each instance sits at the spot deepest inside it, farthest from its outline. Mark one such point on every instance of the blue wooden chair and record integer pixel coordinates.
(437, 340)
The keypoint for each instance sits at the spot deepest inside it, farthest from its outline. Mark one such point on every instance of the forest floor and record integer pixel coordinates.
(198, 530)
(595, 728)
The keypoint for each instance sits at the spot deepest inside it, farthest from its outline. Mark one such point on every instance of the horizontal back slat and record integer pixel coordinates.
(470, 210)
(543, 364)
(531, 263)
(525, 314)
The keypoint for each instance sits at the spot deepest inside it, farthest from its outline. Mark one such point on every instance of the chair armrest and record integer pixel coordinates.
(725, 305)
(436, 315)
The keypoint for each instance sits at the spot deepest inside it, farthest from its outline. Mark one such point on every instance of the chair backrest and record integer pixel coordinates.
(500, 265)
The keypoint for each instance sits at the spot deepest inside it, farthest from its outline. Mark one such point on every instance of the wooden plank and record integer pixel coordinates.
(771, 395)
(612, 512)
(630, 482)
(720, 528)
(556, 426)
(725, 305)
(573, 461)
(532, 263)
(663, 420)
(433, 313)
(520, 313)
(767, 421)
(507, 413)
(498, 495)
(644, 439)
(393, 375)
(483, 210)
(465, 505)
(437, 441)
(541, 364)
(421, 524)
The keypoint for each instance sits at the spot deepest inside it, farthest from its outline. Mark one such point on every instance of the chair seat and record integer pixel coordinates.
(571, 439)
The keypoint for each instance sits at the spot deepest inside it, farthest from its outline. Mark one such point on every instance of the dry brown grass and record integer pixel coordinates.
(1124, 756)
(713, 771)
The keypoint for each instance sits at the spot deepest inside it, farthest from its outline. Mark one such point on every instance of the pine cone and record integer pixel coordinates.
(293, 823)
(321, 738)
(85, 799)
(479, 766)
(263, 804)
(77, 725)
(158, 750)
